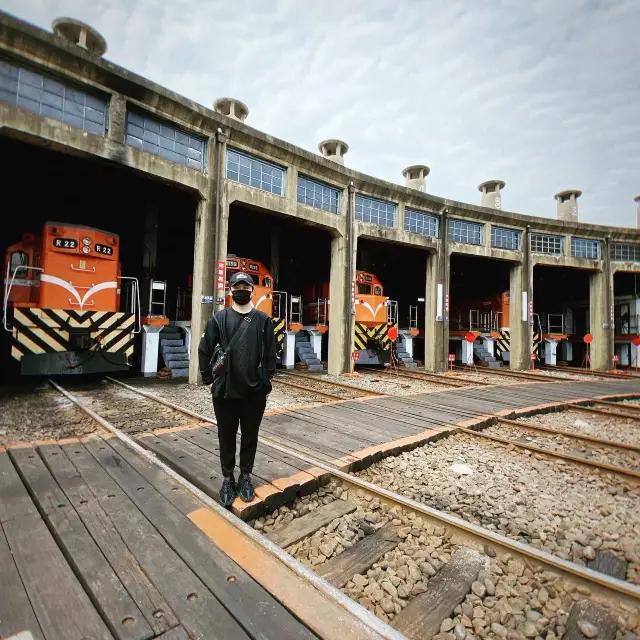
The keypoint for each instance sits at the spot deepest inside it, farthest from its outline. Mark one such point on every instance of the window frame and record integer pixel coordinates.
(427, 220)
(390, 209)
(253, 181)
(536, 235)
(306, 182)
(505, 233)
(587, 244)
(470, 225)
(631, 249)
(55, 96)
(149, 130)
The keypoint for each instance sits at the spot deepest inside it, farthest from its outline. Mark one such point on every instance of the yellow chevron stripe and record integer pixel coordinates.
(20, 318)
(30, 346)
(16, 353)
(118, 345)
(50, 338)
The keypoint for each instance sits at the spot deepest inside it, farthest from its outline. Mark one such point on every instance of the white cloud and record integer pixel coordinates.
(543, 95)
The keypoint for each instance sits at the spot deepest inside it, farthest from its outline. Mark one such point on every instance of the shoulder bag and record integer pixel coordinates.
(220, 355)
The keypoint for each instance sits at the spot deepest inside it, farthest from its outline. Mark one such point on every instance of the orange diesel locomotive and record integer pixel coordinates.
(62, 302)
(375, 315)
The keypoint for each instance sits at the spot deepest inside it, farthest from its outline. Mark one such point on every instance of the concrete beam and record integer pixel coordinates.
(56, 135)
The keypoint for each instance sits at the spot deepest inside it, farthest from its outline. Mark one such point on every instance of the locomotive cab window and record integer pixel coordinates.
(364, 289)
(266, 282)
(377, 291)
(19, 260)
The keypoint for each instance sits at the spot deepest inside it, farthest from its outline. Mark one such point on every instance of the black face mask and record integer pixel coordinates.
(241, 296)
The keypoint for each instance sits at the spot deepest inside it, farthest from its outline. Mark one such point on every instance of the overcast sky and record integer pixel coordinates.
(544, 95)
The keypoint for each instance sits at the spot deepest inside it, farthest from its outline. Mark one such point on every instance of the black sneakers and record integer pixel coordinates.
(245, 488)
(228, 491)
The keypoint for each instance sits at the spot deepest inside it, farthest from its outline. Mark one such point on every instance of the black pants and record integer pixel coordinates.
(248, 413)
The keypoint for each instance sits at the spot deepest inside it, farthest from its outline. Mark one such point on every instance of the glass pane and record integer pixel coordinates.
(29, 105)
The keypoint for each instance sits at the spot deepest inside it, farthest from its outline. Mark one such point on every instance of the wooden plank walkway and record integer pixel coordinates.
(356, 433)
(90, 548)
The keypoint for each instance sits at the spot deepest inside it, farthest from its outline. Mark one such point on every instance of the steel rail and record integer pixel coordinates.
(611, 590)
(342, 385)
(618, 405)
(614, 414)
(369, 621)
(518, 374)
(425, 377)
(293, 385)
(593, 372)
(578, 436)
(621, 471)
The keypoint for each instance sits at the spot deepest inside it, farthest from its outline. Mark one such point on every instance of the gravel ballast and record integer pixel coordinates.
(567, 510)
(510, 598)
(41, 413)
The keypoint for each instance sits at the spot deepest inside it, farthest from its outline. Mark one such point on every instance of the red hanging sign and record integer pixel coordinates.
(588, 339)
(220, 275)
(392, 333)
(470, 337)
(636, 341)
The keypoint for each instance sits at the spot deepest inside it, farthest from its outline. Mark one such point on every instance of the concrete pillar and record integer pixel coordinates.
(400, 216)
(635, 356)
(436, 322)
(467, 352)
(117, 118)
(150, 349)
(551, 348)
(519, 325)
(289, 354)
(203, 281)
(339, 291)
(600, 292)
(406, 341)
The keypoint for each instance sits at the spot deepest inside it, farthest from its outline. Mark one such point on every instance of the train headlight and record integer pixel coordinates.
(86, 250)
(86, 242)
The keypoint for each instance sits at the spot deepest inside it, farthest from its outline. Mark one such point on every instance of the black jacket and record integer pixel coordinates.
(256, 345)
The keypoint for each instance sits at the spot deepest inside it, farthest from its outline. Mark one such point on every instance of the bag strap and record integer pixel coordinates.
(240, 330)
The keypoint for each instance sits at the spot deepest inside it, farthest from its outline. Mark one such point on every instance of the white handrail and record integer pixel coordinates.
(137, 298)
(7, 290)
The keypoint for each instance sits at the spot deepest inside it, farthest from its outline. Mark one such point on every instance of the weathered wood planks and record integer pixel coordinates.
(421, 618)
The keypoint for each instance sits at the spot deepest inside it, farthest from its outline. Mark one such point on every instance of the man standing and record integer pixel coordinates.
(243, 338)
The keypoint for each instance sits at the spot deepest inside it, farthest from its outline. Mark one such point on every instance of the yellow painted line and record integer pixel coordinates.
(324, 617)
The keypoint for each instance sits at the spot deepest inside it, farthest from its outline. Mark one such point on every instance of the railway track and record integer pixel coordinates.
(326, 388)
(524, 375)
(424, 376)
(461, 565)
(591, 372)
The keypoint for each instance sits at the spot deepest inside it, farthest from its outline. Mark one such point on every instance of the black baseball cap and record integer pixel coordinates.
(241, 276)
